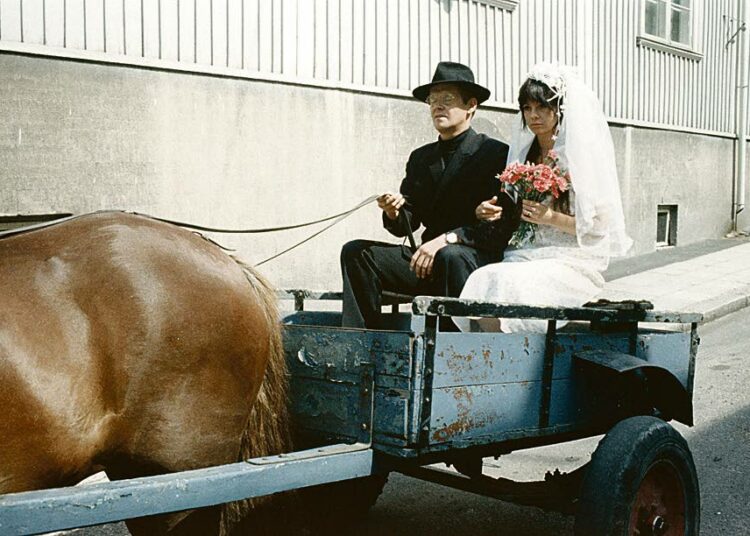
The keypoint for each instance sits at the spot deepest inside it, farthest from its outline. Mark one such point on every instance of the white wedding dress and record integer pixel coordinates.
(553, 270)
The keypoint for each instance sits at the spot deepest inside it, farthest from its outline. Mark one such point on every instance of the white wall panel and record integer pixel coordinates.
(393, 45)
(33, 21)
(54, 24)
(112, 13)
(74, 22)
(93, 20)
(133, 27)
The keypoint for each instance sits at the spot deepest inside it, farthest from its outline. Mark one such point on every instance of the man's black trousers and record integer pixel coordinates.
(368, 268)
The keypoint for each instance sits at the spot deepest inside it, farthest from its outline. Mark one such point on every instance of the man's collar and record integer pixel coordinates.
(457, 136)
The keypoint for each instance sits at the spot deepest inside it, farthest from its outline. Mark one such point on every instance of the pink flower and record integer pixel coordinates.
(538, 180)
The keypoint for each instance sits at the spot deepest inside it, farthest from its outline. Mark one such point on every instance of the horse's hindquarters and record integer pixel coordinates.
(128, 343)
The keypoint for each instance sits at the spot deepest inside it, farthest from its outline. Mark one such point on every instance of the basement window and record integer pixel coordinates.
(666, 226)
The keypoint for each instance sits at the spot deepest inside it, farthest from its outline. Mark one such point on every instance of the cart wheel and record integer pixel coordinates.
(641, 481)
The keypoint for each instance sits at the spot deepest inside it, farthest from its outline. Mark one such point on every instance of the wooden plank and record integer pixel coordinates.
(481, 42)
(151, 30)
(392, 43)
(10, 21)
(251, 31)
(310, 348)
(670, 350)
(377, 53)
(169, 29)
(483, 410)
(277, 44)
(186, 31)
(219, 30)
(320, 48)
(304, 16)
(54, 24)
(329, 406)
(65, 508)
(405, 57)
(75, 31)
(424, 305)
(358, 42)
(493, 358)
(346, 42)
(265, 36)
(94, 21)
(33, 22)
(333, 40)
(132, 27)
(114, 38)
(235, 35)
(391, 415)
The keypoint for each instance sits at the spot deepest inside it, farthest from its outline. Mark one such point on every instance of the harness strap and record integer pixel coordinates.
(338, 217)
(409, 232)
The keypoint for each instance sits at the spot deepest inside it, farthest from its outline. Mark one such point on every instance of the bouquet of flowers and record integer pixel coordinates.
(536, 182)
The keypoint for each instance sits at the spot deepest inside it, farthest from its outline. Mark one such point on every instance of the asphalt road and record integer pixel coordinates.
(720, 443)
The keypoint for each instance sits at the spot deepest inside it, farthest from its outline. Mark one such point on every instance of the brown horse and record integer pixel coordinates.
(135, 347)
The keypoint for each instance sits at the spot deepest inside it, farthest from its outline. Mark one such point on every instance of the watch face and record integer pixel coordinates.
(451, 238)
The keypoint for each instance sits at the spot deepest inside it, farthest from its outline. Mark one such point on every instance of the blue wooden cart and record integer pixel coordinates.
(370, 402)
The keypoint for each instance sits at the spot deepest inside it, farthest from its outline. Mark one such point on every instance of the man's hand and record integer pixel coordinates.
(390, 203)
(423, 259)
(488, 210)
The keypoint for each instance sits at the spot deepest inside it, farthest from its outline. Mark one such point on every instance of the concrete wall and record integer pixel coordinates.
(691, 171)
(78, 137)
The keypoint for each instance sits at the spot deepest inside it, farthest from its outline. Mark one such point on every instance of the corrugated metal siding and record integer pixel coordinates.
(393, 45)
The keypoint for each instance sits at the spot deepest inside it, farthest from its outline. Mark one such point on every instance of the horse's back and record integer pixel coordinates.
(125, 343)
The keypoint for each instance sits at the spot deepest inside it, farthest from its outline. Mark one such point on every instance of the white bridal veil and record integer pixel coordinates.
(585, 147)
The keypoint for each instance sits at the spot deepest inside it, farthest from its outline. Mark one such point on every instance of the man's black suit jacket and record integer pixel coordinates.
(444, 200)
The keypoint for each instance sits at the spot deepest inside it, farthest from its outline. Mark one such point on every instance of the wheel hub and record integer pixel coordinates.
(659, 505)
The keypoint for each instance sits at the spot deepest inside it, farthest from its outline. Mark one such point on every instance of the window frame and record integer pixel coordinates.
(670, 231)
(692, 50)
(507, 5)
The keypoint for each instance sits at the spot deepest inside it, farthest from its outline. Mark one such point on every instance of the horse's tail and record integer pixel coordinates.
(267, 431)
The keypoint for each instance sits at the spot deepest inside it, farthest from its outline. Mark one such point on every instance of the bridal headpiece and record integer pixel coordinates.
(552, 75)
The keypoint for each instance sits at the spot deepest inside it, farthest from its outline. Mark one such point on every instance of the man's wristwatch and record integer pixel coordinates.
(451, 238)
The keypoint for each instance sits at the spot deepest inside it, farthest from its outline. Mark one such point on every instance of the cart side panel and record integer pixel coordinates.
(329, 381)
(669, 349)
(473, 411)
(491, 358)
(488, 387)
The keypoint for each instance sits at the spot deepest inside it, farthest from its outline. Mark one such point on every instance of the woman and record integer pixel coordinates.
(575, 234)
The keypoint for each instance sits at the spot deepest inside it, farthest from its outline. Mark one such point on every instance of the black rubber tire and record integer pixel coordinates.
(618, 466)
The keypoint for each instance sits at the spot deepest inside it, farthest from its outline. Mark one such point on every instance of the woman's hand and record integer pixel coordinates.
(535, 212)
(488, 210)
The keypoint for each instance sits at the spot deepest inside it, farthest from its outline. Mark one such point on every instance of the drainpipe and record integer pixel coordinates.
(742, 90)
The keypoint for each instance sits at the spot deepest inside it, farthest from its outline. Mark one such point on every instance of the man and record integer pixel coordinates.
(445, 181)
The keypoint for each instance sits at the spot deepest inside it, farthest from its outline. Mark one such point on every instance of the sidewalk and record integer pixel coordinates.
(712, 278)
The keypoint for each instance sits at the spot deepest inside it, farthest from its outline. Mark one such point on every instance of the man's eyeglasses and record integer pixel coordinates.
(443, 100)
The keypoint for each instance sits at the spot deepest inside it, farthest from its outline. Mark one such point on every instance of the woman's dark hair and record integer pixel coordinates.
(536, 91)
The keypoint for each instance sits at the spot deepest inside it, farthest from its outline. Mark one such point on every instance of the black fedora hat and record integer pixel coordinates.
(449, 72)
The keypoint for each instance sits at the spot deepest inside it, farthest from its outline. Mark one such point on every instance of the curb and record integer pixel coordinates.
(726, 308)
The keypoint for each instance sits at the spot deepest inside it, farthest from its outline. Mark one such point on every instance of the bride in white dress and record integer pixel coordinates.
(575, 234)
